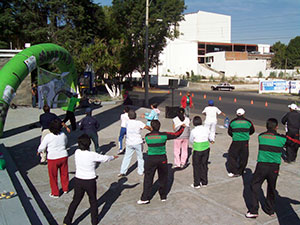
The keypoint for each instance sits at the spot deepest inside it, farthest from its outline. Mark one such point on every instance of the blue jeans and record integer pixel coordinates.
(127, 158)
(187, 111)
(122, 134)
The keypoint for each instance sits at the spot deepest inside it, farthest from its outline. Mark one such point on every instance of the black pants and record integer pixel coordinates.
(269, 172)
(238, 157)
(291, 147)
(82, 186)
(70, 116)
(200, 167)
(153, 163)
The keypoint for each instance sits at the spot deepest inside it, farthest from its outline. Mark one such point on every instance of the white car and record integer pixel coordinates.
(222, 87)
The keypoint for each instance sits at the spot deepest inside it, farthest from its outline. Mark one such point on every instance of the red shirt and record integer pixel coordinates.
(183, 101)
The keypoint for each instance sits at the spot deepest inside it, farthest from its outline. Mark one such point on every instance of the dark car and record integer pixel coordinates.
(222, 87)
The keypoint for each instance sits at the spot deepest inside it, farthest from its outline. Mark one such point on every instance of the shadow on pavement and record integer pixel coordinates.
(24, 155)
(286, 215)
(108, 198)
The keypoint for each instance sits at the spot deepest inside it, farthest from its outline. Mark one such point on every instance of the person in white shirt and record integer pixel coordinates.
(134, 143)
(181, 143)
(57, 157)
(85, 178)
(199, 139)
(211, 112)
(124, 118)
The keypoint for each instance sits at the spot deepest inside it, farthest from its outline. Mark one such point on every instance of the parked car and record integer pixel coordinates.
(222, 87)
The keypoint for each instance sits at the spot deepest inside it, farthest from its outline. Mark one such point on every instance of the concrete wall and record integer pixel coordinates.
(178, 58)
(213, 27)
(263, 48)
(206, 26)
(244, 68)
(239, 68)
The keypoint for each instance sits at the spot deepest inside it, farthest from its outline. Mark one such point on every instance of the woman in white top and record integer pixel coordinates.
(181, 143)
(57, 157)
(211, 112)
(85, 178)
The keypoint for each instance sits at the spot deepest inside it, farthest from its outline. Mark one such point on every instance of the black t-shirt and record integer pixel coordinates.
(46, 118)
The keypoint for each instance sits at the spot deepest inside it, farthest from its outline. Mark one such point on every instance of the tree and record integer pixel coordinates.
(129, 17)
(103, 56)
(278, 61)
(293, 53)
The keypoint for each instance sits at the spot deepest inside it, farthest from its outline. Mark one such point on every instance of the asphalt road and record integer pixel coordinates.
(253, 103)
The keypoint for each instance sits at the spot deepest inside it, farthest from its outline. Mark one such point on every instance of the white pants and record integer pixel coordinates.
(128, 155)
(43, 154)
(212, 130)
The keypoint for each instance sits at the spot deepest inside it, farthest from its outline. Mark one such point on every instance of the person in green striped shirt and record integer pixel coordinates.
(267, 168)
(199, 137)
(240, 130)
(157, 160)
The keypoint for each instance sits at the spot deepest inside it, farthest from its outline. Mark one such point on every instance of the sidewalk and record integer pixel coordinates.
(223, 201)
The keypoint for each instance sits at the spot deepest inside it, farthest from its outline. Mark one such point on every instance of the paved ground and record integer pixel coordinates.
(223, 201)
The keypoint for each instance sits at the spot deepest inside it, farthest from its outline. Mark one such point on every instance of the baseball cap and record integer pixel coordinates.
(293, 106)
(210, 102)
(240, 112)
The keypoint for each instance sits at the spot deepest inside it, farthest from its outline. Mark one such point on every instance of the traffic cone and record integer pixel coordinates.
(234, 100)
(204, 96)
(220, 99)
(266, 104)
(180, 93)
(251, 102)
(192, 94)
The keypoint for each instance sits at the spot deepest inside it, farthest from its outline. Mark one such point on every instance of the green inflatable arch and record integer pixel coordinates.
(15, 71)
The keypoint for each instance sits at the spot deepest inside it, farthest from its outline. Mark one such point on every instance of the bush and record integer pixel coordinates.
(223, 79)
(273, 74)
(281, 74)
(196, 78)
(260, 74)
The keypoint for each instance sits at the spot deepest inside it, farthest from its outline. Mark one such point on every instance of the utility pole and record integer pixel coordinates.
(146, 56)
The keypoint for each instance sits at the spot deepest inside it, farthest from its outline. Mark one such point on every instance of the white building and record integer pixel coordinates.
(204, 48)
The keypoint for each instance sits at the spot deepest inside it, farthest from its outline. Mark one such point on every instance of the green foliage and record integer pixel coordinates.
(102, 56)
(223, 78)
(112, 39)
(273, 74)
(278, 61)
(293, 53)
(211, 78)
(281, 74)
(196, 78)
(129, 17)
(3, 45)
(260, 74)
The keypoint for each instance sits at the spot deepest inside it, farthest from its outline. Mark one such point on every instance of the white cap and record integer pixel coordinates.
(293, 106)
(240, 112)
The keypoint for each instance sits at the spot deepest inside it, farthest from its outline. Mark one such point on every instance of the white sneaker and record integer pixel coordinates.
(250, 215)
(164, 200)
(53, 196)
(140, 202)
(230, 174)
(196, 187)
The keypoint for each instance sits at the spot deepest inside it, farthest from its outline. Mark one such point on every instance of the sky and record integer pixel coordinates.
(252, 21)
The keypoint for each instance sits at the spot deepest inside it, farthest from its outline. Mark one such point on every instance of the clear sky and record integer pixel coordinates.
(252, 21)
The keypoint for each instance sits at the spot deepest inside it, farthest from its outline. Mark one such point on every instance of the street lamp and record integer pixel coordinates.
(146, 56)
